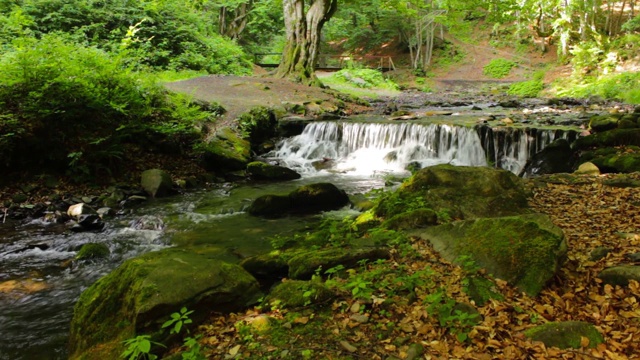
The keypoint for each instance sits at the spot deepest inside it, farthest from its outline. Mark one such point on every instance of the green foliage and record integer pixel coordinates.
(178, 319)
(526, 89)
(64, 106)
(632, 24)
(457, 321)
(160, 34)
(498, 68)
(365, 78)
(139, 347)
(622, 86)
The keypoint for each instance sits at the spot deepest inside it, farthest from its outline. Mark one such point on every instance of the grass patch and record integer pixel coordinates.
(622, 86)
(361, 82)
(498, 68)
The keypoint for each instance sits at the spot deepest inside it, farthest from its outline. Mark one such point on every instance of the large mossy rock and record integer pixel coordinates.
(263, 171)
(259, 124)
(609, 138)
(618, 163)
(557, 157)
(525, 250)
(156, 182)
(306, 199)
(600, 123)
(227, 150)
(297, 293)
(565, 334)
(303, 265)
(140, 295)
(462, 192)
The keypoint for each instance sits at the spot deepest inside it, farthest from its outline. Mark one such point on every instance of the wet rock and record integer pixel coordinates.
(292, 125)
(306, 199)
(557, 157)
(601, 123)
(132, 201)
(620, 275)
(565, 334)
(106, 212)
(323, 164)
(156, 183)
(142, 293)
(227, 150)
(509, 104)
(263, 171)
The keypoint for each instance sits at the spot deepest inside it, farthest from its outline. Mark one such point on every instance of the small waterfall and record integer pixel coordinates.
(369, 148)
(511, 148)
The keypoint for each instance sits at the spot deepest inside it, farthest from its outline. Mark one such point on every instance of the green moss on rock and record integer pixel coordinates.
(306, 199)
(93, 251)
(303, 265)
(609, 138)
(525, 250)
(600, 123)
(566, 334)
(412, 220)
(263, 171)
(622, 163)
(227, 150)
(258, 125)
(139, 295)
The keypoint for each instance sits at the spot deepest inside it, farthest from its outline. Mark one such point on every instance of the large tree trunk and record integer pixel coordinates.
(303, 38)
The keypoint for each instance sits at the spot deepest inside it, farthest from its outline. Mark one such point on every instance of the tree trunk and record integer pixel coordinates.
(303, 38)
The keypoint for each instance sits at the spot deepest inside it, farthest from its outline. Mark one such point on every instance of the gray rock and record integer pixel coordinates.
(307, 199)
(156, 182)
(263, 171)
(620, 275)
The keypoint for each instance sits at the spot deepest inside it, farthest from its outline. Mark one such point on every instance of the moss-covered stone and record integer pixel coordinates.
(587, 168)
(463, 192)
(139, 296)
(619, 163)
(263, 171)
(156, 182)
(303, 265)
(609, 138)
(266, 268)
(297, 293)
(525, 250)
(93, 251)
(600, 123)
(258, 125)
(306, 199)
(412, 220)
(620, 275)
(557, 157)
(565, 334)
(227, 150)
(481, 290)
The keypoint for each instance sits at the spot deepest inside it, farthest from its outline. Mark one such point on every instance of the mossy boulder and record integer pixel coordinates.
(226, 151)
(93, 251)
(306, 199)
(140, 294)
(258, 125)
(557, 157)
(304, 264)
(297, 293)
(263, 171)
(600, 123)
(266, 268)
(587, 168)
(461, 191)
(412, 220)
(609, 138)
(525, 250)
(156, 182)
(565, 334)
(618, 163)
(620, 275)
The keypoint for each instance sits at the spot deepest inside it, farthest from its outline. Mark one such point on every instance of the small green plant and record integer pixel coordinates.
(526, 89)
(139, 347)
(178, 319)
(498, 68)
(458, 322)
(360, 288)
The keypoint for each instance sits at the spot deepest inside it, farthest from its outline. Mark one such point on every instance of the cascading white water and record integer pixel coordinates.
(368, 148)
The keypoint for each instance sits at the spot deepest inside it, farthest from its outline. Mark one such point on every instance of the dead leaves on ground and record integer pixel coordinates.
(591, 215)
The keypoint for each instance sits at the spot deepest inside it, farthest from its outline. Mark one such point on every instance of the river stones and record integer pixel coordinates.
(156, 182)
(139, 296)
(307, 199)
(557, 157)
(226, 151)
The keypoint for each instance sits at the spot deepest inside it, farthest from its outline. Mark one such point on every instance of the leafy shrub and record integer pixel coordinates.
(365, 78)
(622, 86)
(498, 68)
(526, 89)
(65, 106)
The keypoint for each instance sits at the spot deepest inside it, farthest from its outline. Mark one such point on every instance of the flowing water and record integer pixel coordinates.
(40, 281)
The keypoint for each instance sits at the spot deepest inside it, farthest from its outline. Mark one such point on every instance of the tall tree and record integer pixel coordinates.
(302, 31)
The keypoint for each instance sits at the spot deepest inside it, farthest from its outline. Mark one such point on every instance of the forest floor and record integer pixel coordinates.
(592, 211)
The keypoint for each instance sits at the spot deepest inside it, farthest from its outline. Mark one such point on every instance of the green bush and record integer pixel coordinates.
(365, 78)
(622, 86)
(68, 107)
(526, 89)
(498, 68)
